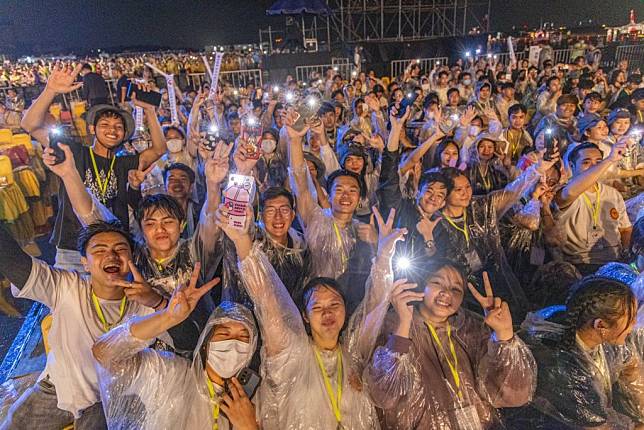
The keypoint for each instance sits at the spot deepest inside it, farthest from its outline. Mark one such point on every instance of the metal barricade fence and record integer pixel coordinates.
(339, 60)
(397, 67)
(634, 54)
(236, 78)
(562, 56)
(305, 73)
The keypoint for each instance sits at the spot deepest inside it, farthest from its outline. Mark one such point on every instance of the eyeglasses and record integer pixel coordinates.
(270, 212)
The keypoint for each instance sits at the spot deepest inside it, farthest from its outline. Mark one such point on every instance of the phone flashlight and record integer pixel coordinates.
(468, 53)
(213, 129)
(312, 102)
(489, 55)
(403, 263)
(455, 117)
(478, 51)
(251, 120)
(236, 92)
(438, 63)
(289, 96)
(410, 95)
(276, 89)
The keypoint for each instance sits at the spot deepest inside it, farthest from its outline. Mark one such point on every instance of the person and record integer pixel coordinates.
(585, 378)
(562, 125)
(504, 101)
(94, 87)
(468, 230)
(439, 366)
(592, 214)
(103, 173)
(164, 260)
(488, 167)
(204, 393)
(283, 245)
(515, 136)
(330, 234)
(82, 309)
(547, 100)
(325, 368)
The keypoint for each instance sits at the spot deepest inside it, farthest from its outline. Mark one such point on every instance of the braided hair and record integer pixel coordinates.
(595, 297)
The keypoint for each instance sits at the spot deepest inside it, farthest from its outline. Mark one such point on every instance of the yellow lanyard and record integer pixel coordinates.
(101, 315)
(640, 116)
(102, 186)
(462, 230)
(215, 409)
(594, 208)
(514, 142)
(335, 399)
(453, 366)
(340, 244)
(487, 183)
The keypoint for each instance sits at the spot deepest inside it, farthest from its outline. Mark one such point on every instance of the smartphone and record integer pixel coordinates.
(548, 140)
(60, 134)
(409, 100)
(251, 133)
(249, 379)
(212, 137)
(238, 194)
(150, 97)
(307, 113)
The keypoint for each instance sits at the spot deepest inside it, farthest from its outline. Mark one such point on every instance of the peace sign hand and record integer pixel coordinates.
(497, 311)
(387, 234)
(136, 177)
(139, 290)
(185, 298)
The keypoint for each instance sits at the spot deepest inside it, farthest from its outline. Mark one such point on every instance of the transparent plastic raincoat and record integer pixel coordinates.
(142, 388)
(410, 379)
(580, 387)
(293, 391)
(483, 250)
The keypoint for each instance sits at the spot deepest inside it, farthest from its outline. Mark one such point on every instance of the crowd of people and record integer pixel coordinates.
(455, 248)
(34, 71)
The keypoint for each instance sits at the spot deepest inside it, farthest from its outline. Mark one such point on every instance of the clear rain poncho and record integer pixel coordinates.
(293, 391)
(410, 379)
(483, 251)
(580, 387)
(142, 388)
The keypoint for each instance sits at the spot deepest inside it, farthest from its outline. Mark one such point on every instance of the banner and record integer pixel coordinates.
(214, 76)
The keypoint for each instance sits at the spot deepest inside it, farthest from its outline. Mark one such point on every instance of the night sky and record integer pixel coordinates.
(30, 26)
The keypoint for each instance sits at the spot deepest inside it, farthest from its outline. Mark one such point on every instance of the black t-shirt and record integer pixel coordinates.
(123, 82)
(115, 197)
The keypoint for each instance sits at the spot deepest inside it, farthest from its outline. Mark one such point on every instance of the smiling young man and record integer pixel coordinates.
(592, 214)
(104, 174)
(164, 260)
(83, 308)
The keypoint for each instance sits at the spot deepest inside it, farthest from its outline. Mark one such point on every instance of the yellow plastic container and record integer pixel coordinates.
(5, 136)
(55, 109)
(6, 171)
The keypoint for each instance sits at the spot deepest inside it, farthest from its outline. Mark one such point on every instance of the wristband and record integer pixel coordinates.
(158, 304)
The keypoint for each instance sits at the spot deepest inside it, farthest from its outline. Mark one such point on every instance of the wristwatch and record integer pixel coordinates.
(429, 243)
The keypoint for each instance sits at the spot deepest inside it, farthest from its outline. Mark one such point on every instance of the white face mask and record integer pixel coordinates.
(228, 357)
(175, 145)
(140, 145)
(467, 82)
(474, 130)
(268, 146)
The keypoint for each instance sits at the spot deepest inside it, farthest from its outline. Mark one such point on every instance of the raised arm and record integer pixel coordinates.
(61, 81)
(583, 181)
(158, 147)
(420, 152)
(278, 317)
(192, 139)
(299, 171)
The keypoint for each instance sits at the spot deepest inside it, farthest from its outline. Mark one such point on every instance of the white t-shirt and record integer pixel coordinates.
(589, 244)
(74, 329)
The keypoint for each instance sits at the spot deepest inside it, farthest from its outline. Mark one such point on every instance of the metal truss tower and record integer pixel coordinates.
(405, 20)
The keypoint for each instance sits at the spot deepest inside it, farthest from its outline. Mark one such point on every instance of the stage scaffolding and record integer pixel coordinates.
(355, 21)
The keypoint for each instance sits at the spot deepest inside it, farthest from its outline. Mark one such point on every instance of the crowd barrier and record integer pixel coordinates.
(236, 78)
(397, 67)
(633, 53)
(306, 73)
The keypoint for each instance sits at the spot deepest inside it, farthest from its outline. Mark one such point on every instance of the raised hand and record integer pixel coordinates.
(388, 236)
(62, 79)
(367, 232)
(67, 167)
(136, 177)
(402, 295)
(185, 298)
(139, 290)
(467, 116)
(617, 152)
(290, 117)
(243, 163)
(222, 218)
(544, 165)
(426, 227)
(238, 407)
(216, 167)
(497, 311)
(396, 122)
